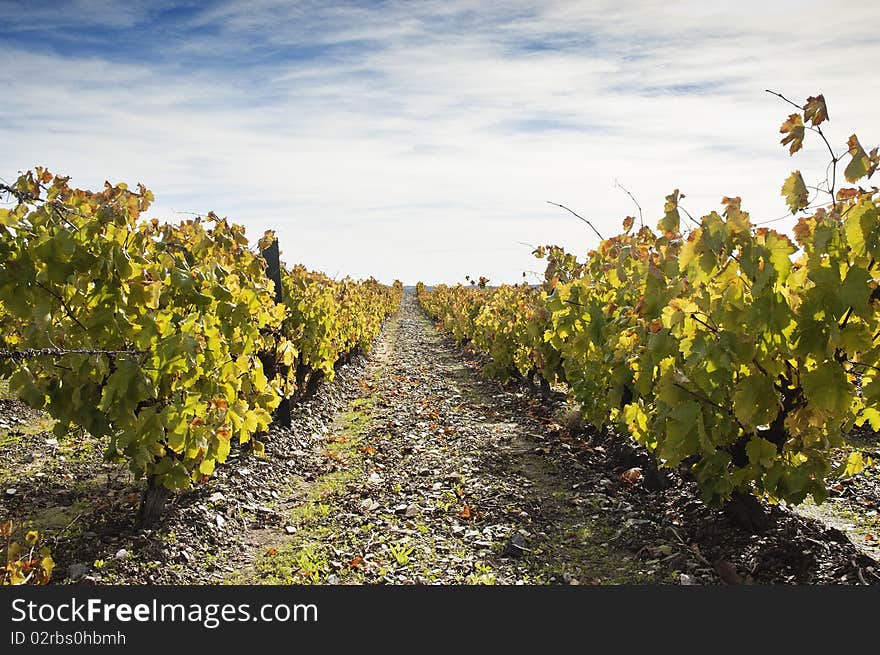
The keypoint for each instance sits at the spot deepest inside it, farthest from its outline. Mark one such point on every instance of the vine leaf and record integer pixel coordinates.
(862, 164)
(795, 192)
(754, 401)
(670, 223)
(761, 452)
(815, 110)
(827, 388)
(793, 129)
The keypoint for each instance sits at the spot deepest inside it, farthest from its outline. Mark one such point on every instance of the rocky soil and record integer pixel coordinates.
(409, 467)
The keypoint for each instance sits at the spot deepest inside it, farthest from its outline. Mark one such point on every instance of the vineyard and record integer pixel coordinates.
(692, 403)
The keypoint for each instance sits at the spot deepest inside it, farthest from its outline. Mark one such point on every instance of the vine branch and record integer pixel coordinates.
(593, 227)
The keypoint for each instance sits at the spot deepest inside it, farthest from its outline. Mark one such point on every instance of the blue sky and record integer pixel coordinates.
(421, 140)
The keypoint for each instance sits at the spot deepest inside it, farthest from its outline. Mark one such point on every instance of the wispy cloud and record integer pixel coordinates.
(421, 139)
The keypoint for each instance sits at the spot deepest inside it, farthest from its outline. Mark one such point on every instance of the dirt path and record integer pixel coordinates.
(437, 477)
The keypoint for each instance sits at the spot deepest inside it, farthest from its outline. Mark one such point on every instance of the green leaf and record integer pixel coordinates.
(22, 383)
(862, 228)
(761, 452)
(670, 223)
(855, 292)
(780, 250)
(827, 388)
(8, 217)
(795, 192)
(860, 165)
(681, 436)
(754, 400)
(856, 338)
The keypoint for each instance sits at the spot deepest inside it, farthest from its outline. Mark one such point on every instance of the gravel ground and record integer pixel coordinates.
(409, 468)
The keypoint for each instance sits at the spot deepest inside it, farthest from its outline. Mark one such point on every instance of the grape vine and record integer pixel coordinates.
(729, 348)
(156, 332)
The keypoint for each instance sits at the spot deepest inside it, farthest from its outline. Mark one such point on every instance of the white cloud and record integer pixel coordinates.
(421, 141)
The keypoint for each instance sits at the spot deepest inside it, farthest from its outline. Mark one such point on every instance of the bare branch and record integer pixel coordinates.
(578, 216)
(689, 215)
(632, 197)
(782, 97)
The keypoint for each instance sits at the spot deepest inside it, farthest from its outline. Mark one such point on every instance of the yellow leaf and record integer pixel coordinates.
(48, 565)
(855, 464)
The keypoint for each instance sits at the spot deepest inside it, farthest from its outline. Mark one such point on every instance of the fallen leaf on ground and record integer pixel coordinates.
(632, 476)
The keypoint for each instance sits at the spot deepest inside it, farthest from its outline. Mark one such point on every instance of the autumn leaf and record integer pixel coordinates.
(795, 192)
(631, 476)
(793, 129)
(670, 223)
(267, 239)
(815, 110)
(356, 562)
(862, 164)
(48, 565)
(271, 552)
(466, 512)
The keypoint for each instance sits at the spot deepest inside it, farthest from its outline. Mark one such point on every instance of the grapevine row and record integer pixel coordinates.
(727, 347)
(164, 340)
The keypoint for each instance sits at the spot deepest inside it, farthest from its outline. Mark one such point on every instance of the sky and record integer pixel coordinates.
(422, 140)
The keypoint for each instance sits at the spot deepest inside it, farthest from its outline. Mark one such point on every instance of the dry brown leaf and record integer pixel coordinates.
(632, 476)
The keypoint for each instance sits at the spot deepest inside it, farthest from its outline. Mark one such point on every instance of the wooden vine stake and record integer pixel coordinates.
(281, 415)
